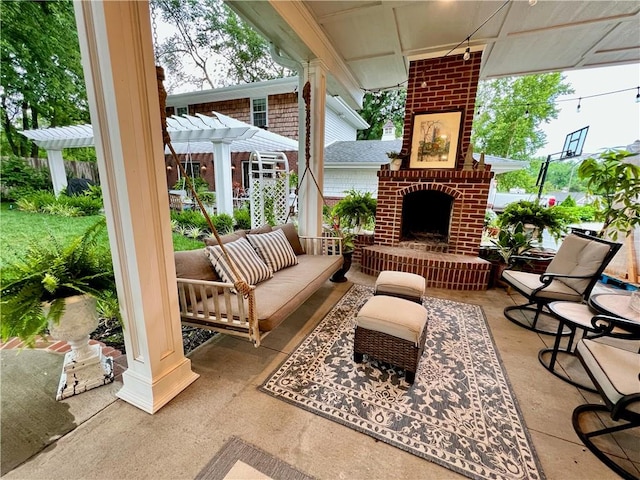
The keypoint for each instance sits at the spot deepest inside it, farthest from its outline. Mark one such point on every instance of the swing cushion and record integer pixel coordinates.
(249, 265)
(291, 233)
(228, 238)
(274, 249)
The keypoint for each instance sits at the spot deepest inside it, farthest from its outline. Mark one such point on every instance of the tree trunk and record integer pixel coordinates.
(25, 126)
(8, 127)
(34, 125)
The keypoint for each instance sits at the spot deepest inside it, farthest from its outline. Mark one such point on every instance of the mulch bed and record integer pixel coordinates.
(109, 332)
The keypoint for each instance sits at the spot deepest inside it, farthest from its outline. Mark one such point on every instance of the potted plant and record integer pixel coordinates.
(55, 286)
(536, 217)
(395, 160)
(36, 287)
(615, 182)
(355, 211)
(348, 246)
(512, 241)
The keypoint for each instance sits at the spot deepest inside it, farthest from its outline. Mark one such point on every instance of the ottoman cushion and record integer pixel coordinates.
(402, 284)
(393, 316)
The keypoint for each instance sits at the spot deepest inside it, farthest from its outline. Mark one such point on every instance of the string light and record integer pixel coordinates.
(526, 112)
(638, 96)
(532, 2)
(578, 107)
(467, 52)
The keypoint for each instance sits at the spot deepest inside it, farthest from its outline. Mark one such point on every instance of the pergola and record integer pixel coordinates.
(320, 44)
(217, 133)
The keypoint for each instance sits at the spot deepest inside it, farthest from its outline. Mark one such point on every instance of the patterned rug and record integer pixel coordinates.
(460, 412)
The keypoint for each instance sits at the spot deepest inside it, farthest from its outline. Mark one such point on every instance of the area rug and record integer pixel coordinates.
(239, 460)
(460, 413)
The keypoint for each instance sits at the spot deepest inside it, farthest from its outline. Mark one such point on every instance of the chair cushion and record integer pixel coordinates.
(401, 284)
(394, 316)
(527, 282)
(274, 249)
(614, 369)
(578, 256)
(249, 265)
(577, 314)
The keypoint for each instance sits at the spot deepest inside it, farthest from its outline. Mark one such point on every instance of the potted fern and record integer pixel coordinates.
(536, 217)
(55, 286)
(36, 288)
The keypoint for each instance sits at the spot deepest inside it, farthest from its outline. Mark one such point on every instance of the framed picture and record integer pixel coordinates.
(434, 139)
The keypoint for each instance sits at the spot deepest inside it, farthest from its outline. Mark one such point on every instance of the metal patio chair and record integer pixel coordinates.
(615, 372)
(570, 276)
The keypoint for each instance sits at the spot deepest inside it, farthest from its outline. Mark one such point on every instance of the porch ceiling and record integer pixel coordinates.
(369, 44)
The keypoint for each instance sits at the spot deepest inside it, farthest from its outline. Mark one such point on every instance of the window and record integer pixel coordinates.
(182, 110)
(192, 168)
(259, 112)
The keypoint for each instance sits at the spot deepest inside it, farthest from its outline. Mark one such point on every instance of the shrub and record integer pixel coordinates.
(46, 202)
(223, 223)
(17, 178)
(242, 216)
(190, 218)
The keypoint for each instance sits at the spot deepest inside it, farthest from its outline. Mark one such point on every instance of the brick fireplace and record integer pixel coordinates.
(443, 238)
(429, 221)
(432, 210)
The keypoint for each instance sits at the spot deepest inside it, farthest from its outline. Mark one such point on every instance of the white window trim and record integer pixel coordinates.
(266, 110)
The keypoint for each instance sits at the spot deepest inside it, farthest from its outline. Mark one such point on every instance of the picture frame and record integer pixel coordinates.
(435, 138)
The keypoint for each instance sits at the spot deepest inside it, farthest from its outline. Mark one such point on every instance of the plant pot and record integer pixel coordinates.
(84, 367)
(339, 276)
(395, 164)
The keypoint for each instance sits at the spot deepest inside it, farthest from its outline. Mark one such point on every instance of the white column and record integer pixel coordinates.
(222, 174)
(58, 173)
(117, 55)
(310, 204)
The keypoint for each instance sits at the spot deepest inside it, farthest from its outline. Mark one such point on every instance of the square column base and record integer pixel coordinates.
(78, 377)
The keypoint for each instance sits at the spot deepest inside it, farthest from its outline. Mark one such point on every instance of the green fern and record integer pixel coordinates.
(48, 273)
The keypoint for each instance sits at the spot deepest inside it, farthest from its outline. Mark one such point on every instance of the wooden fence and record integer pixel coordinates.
(88, 170)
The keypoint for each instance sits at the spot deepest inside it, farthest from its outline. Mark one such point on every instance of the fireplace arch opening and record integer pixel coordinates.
(426, 216)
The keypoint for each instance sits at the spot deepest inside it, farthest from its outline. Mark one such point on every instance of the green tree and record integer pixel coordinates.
(509, 112)
(378, 107)
(41, 77)
(209, 36)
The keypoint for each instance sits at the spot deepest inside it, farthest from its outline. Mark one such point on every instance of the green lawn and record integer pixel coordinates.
(18, 229)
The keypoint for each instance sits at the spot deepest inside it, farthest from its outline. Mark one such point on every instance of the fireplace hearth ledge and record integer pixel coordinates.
(440, 270)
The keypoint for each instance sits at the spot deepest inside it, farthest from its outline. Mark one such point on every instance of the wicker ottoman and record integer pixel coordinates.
(391, 330)
(400, 284)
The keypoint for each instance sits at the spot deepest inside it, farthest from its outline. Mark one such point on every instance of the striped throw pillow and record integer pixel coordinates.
(247, 262)
(274, 249)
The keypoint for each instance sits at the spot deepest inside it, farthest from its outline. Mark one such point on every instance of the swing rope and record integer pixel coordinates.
(306, 95)
(240, 284)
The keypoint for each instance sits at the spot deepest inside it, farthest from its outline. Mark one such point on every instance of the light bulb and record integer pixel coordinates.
(579, 107)
(532, 2)
(423, 84)
(467, 54)
(638, 96)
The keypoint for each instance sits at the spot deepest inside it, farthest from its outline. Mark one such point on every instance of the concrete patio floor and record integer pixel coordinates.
(119, 441)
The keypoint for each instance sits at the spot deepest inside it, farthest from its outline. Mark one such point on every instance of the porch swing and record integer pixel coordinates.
(238, 308)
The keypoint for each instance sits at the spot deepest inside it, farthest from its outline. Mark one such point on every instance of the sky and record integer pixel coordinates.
(613, 120)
